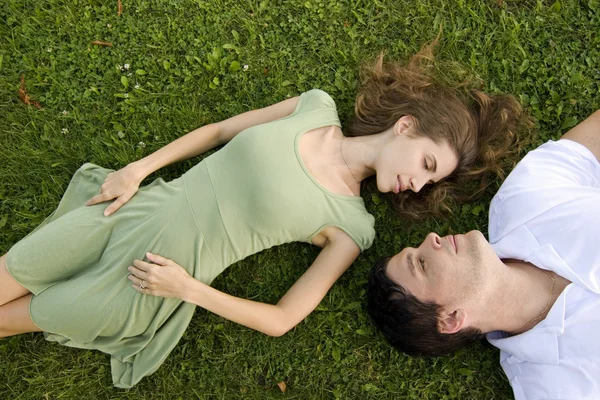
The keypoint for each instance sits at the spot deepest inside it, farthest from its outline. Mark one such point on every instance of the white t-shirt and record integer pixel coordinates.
(547, 213)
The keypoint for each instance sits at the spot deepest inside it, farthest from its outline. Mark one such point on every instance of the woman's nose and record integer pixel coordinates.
(415, 186)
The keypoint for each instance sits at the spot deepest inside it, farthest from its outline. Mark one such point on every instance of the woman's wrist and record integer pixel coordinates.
(140, 169)
(188, 287)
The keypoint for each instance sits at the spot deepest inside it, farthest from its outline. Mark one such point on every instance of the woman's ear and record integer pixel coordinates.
(404, 125)
(452, 322)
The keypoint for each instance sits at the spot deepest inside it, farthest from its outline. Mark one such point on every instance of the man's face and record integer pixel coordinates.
(449, 271)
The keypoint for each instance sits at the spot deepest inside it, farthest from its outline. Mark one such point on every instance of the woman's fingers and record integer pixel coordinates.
(156, 259)
(138, 272)
(120, 201)
(136, 281)
(114, 206)
(99, 198)
(142, 265)
(158, 277)
(141, 285)
(120, 185)
(143, 290)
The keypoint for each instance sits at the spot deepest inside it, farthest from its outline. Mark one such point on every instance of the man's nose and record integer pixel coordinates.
(434, 240)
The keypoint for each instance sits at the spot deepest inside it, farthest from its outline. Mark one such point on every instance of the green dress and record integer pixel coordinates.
(252, 194)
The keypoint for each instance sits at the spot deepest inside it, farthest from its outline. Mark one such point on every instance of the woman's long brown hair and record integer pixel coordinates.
(487, 132)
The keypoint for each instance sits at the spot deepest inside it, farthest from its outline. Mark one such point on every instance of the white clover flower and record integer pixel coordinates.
(137, 86)
(141, 145)
(65, 112)
(126, 66)
(109, 26)
(126, 95)
(64, 131)
(120, 134)
(49, 49)
(246, 67)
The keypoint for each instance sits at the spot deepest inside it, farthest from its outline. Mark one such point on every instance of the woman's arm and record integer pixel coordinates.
(167, 279)
(210, 136)
(121, 185)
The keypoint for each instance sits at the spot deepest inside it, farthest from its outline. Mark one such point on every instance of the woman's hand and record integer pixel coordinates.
(120, 185)
(160, 277)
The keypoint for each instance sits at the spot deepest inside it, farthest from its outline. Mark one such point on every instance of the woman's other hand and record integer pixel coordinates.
(120, 185)
(159, 277)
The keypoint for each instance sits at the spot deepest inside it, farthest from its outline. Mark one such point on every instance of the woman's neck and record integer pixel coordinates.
(360, 153)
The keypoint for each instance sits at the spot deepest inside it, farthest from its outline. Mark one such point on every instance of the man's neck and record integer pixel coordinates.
(524, 297)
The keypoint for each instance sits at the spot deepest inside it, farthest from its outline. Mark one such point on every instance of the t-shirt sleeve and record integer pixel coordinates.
(361, 228)
(315, 108)
(314, 99)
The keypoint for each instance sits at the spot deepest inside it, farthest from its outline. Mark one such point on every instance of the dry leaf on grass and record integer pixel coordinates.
(25, 97)
(120, 8)
(101, 43)
(282, 386)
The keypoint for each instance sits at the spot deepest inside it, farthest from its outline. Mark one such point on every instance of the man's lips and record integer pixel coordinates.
(452, 241)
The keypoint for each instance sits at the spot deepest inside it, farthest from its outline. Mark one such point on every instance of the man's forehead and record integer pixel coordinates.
(398, 271)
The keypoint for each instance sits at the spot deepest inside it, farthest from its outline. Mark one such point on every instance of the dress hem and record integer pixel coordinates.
(32, 294)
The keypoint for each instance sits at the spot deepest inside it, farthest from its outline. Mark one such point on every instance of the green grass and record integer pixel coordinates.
(187, 58)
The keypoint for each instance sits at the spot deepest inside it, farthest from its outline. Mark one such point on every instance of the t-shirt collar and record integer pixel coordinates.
(539, 344)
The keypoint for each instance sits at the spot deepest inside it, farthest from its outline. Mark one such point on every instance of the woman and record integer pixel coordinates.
(288, 174)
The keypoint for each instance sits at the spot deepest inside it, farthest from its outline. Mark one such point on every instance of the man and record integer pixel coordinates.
(533, 290)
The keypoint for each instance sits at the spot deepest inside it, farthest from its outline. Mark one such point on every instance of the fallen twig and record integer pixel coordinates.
(101, 43)
(25, 97)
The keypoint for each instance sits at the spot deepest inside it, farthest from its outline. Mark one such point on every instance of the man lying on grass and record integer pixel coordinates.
(533, 290)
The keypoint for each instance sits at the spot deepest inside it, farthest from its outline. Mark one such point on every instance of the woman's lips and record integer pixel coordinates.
(400, 187)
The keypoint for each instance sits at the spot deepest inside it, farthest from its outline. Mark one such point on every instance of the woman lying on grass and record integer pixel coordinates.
(289, 173)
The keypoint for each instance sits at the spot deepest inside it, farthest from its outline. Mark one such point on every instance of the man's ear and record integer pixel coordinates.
(404, 125)
(452, 322)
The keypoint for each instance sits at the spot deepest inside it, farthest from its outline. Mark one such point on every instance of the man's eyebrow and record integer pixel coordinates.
(411, 265)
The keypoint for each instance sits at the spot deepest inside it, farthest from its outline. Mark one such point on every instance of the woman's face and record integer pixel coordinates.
(409, 162)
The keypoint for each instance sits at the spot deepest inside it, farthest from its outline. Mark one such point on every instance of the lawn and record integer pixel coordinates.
(109, 87)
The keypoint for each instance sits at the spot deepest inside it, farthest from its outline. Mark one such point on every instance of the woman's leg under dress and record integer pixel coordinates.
(15, 319)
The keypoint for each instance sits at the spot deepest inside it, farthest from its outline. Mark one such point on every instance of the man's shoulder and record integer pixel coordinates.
(547, 213)
(553, 174)
(554, 165)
